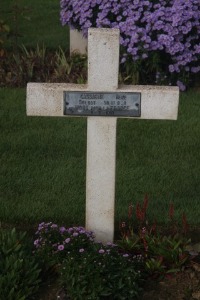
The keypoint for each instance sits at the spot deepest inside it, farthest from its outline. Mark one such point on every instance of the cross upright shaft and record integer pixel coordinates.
(103, 59)
(103, 66)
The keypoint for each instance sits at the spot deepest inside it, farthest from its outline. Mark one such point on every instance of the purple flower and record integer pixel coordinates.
(54, 226)
(61, 247)
(169, 27)
(171, 68)
(181, 86)
(101, 251)
(41, 225)
(125, 255)
(67, 240)
(123, 60)
(36, 242)
(109, 244)
(144, 55)
(81, 250)
(62, 229)
(195, 69)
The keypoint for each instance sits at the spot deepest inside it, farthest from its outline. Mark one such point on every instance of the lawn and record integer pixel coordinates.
(42, 175)
(38, 23)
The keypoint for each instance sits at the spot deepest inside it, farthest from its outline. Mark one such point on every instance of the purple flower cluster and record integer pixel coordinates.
(54, 239)
(60, 242)
(171, 27)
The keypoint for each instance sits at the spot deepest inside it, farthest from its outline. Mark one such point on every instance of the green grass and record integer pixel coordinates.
(42, 174)
(161, 158)
(39, 24)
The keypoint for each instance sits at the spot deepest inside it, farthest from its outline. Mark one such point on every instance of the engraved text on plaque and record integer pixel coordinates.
(126, 104)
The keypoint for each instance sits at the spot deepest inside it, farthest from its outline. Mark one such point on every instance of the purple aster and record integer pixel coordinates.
(171, 68)
(61, 247)
(62, 229)
(169, 27)
(181, 86)
(125, 255)
(54, 226)
(36, 242)
(67, 240)
(101, 251)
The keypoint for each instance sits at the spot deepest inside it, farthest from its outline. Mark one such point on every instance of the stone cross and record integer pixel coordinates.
(78, 44)
(149, 102)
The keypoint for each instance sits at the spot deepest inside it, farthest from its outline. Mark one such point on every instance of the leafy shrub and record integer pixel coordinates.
(169, 250)
(162, 37)
(41, 65)
(19, 271)
(163, 253)
(89, 270)
(102, 273)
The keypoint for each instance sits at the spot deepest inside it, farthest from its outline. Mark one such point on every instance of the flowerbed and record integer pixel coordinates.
(88, 269)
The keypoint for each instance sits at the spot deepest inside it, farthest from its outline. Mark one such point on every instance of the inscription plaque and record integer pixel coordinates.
(124, 104)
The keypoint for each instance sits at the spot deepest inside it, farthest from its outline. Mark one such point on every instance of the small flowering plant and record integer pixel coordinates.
(102, 272)
(54, 242)
(89, 269)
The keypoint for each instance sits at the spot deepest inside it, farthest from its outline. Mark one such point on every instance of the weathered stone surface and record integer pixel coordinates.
(78, 44)
(103, 59)
(157, 102)
(100, 191)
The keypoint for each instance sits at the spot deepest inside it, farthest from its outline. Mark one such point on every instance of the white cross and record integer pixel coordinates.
(157, 102)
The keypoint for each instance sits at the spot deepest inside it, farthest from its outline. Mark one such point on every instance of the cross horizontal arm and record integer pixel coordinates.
(157, 102)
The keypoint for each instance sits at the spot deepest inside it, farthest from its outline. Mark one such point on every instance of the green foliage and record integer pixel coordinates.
(102, 273)
(163, 253)
(63, 66)
(19, 271)
(169, 251)
(38, 22)
(41, 65)
(129, 72)
(154, 266)
(88, 270)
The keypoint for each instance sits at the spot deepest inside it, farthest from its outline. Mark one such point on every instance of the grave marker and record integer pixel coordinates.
(141, 102)
(78, 44)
